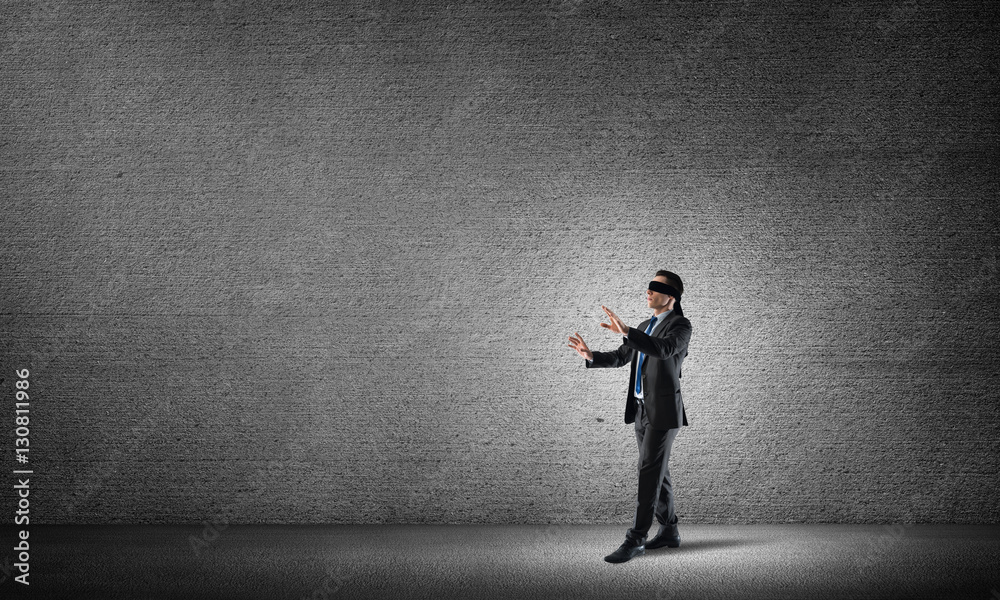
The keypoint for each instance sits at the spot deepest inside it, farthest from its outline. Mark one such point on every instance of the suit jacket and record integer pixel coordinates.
(665, 350)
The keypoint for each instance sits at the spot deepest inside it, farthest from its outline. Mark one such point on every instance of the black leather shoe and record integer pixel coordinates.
(668, 537)
(627, 551)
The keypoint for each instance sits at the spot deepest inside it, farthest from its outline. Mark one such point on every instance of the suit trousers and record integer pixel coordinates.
(656, 495)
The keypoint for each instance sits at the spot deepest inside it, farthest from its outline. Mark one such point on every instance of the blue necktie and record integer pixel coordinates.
(642, 359)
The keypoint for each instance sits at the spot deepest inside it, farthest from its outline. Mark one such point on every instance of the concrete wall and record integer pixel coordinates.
(318, 262)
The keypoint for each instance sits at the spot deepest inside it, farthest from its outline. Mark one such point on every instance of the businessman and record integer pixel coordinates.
(655, 349)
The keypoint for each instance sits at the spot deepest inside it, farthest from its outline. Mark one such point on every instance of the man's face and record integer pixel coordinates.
(656, 300)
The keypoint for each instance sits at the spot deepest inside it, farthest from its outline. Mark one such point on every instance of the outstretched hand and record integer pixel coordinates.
(617, 325)
(581, 348)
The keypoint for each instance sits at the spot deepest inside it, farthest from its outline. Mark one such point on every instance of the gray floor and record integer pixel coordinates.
(503, 561)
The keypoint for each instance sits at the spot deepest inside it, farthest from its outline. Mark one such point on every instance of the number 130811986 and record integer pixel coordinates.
(21, 421)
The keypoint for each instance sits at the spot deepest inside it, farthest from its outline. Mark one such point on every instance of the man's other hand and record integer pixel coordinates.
(617, 325)
(581, 348)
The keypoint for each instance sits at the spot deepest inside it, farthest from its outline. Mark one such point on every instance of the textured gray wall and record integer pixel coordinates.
(318, 263)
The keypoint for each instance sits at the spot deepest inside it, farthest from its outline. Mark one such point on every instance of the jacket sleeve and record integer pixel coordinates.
(675, 342)
(614, 359)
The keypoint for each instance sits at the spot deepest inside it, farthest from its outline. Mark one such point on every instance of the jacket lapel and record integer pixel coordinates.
(661, 328)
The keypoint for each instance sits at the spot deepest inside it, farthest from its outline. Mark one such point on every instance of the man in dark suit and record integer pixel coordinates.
(655, 350)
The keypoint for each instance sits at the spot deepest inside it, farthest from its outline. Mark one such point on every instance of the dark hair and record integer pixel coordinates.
(672, 279)
(675, 280)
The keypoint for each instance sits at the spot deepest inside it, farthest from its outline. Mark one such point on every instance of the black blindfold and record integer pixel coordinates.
(663, 288)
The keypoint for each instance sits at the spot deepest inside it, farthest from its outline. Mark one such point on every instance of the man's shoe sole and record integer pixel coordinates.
(669, 543)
